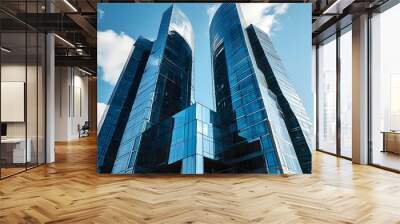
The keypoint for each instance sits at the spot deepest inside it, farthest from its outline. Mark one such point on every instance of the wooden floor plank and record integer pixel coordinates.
(70, 191)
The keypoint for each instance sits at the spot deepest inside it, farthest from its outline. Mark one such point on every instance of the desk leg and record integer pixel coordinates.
(384, 142)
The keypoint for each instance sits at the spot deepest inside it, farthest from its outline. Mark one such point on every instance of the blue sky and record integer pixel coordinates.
(289, 26)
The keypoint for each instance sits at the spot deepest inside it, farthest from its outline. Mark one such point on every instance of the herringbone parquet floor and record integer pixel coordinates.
(70, 191)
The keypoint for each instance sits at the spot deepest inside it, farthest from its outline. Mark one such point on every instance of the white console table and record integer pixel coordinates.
(19, 155)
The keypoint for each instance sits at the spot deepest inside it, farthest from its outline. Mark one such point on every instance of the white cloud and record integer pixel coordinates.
(211, 11)
(281, 8)
(101, 13)
(264, 15)
(183, 27)
(112, 52)
(101, 107)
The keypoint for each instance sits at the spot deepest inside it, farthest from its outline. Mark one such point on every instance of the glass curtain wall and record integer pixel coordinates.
(334, 101)
(345, 59)
(327, 95)
(22, 90)
(385, 89)
(13, 85)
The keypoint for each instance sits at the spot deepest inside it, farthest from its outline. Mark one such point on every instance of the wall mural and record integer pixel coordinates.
(204, 88)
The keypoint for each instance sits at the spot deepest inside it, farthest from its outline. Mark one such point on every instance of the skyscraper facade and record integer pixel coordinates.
(165, 87)
(184, 143)
(254, 97)
(120, 104)
(154, 125)
(294, 113)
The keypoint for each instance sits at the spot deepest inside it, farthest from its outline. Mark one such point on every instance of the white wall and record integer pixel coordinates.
(17, 73)
(62, 82)
(71, 102)
(14, 73)
(33, 126)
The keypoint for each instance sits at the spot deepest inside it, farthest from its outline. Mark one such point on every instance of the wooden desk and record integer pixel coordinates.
(391, 141)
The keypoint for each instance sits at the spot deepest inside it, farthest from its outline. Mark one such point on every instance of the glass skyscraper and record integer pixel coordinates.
(253, 95)
(166, 86)
(294, 114)
(153, 124)
(120, 104)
